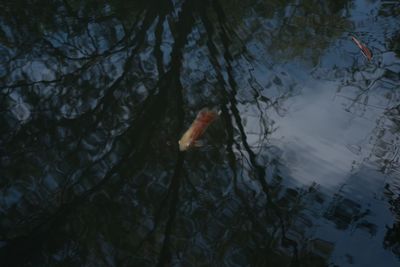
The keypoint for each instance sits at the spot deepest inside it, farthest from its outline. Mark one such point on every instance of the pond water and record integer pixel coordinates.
(300, 169)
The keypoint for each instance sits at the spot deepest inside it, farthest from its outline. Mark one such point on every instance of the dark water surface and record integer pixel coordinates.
(301, 169)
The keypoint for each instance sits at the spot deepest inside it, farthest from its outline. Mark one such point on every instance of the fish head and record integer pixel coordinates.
(184, 145)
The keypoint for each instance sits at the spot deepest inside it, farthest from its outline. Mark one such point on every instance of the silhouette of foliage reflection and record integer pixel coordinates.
(94, 98)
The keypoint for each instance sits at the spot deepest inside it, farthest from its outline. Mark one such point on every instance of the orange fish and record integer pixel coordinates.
(203, 119)
(365, 50)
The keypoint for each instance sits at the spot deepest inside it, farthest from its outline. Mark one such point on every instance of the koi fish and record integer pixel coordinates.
(203, 119)
(365, 50)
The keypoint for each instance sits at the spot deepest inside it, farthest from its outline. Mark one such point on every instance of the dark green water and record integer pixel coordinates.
(301, 169)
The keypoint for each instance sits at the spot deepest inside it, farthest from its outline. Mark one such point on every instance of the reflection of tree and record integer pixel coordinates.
(392, 10)
(394, 44)
(94, 98)
(384, 152)
(383, 142)
(388, 159)
(288, 29)
(370, 89)
(392, 236)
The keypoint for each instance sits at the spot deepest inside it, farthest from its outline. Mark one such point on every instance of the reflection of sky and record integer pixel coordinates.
(320, 140)
(324, 141)
(320, 143)
(316, 134)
